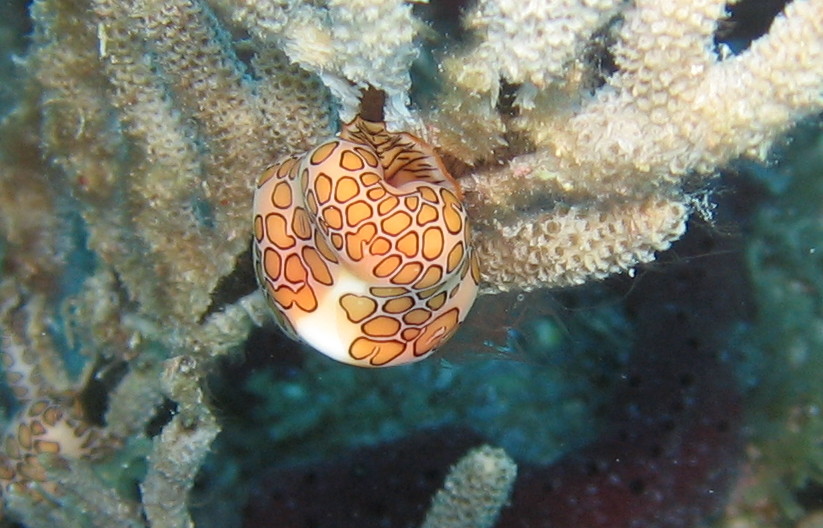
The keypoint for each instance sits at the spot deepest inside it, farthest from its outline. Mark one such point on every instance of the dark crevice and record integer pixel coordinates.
(747, 21)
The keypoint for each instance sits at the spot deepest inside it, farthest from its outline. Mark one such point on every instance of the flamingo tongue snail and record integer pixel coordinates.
(362, 247)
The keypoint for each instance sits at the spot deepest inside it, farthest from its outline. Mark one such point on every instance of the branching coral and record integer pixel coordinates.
(675, 108)
(139, 128)
(349, 44)
(475, 490)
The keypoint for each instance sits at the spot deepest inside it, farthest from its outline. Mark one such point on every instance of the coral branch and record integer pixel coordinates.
(475, 490)
(571, 245)
(528, 41)
(350, 44)
(179, 450)
(675, 108)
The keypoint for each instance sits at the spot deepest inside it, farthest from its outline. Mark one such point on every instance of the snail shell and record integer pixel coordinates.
(362, 247)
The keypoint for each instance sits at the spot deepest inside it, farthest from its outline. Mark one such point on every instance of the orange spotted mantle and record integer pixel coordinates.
(362, 247)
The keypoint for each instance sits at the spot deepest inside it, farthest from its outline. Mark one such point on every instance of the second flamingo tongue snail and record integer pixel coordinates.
(362, 247)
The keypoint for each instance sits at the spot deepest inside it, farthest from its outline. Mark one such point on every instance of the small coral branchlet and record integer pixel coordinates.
(474, 491)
